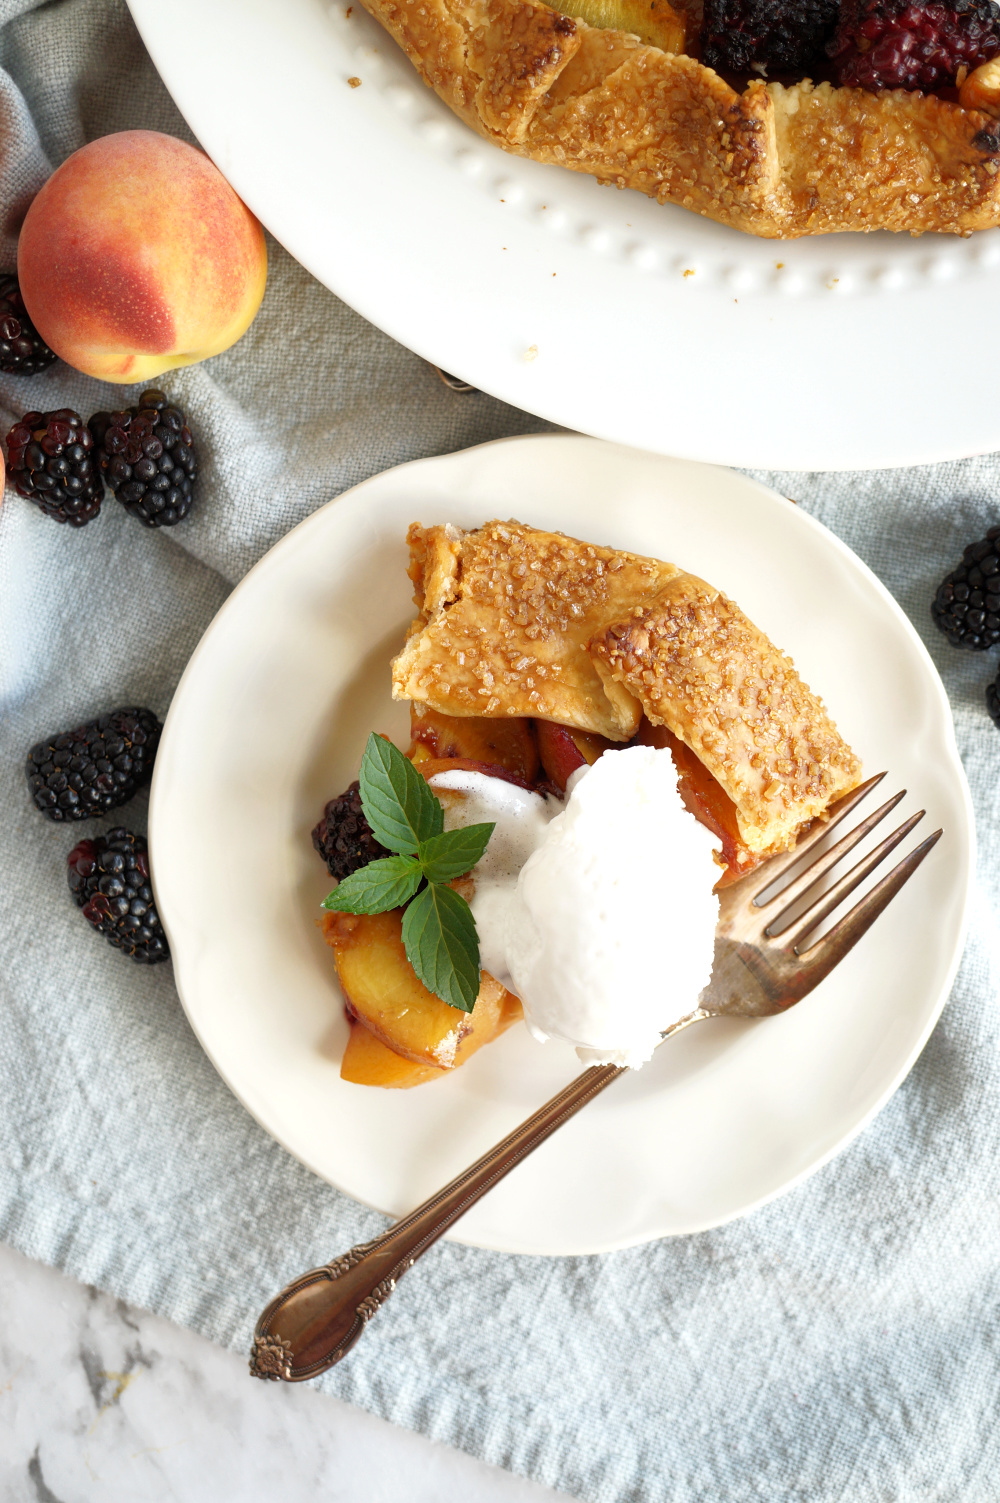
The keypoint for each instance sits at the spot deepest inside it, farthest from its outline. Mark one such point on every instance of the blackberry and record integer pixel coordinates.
(896, 44)
(344, 837)
(109, 880)
(777, 36)
(50, 460)
(967, 604)
(146, 454)
(95, 768)
(23, 351)
(993, 701)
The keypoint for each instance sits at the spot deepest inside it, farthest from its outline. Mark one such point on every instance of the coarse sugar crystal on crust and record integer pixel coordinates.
(773, 161)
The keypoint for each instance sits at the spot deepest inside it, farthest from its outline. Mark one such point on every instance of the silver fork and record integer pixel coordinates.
(762, 966)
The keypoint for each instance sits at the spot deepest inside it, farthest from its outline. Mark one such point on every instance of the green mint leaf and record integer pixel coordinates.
(398, 804)
(377, 887)
(441, 943)
(454, 852)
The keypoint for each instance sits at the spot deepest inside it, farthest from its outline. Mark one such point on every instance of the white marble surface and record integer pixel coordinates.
(102, 1402)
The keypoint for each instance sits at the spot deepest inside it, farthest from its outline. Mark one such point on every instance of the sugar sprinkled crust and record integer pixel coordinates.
(774, 161)
(701, 668)
(505, 615)
(516, 621)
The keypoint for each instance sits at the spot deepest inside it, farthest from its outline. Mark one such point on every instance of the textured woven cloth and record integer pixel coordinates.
(840, 1344)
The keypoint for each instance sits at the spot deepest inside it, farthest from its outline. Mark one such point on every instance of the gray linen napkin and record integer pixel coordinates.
(841, 1344)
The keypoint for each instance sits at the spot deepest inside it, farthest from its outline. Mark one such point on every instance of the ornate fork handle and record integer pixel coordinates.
(316, 1320)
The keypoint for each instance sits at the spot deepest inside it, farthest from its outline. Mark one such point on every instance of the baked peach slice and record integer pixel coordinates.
(367, 1061)
(509, 744)
(385, 994)
(562, 750)
(429, 767)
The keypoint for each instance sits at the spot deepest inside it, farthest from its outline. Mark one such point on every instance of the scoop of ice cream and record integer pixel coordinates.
(610, 934)
(521, 818)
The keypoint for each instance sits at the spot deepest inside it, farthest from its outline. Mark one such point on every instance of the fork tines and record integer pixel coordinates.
(849, 929)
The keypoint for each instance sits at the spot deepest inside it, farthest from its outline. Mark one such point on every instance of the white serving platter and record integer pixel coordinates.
(599, 310)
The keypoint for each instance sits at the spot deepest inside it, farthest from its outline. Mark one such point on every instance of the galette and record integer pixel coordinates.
(777, 117)
(531, 656)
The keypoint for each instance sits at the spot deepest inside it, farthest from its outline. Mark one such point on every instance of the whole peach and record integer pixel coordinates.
(137, 257)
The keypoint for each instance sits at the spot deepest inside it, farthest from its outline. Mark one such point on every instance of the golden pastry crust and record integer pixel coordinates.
(702, 669)
(515, 621)
(776, 162)
(505, 616)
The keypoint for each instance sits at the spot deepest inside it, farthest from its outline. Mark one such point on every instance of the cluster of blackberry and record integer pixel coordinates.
(912, 44)
(145, 454)
(50, 460)
(765, 36)
(23, 351)
(870, 44)
(344, 837)
(93, 768)
(87, 772)
(967, 605)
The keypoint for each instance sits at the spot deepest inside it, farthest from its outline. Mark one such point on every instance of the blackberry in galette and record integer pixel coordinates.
(109, 881)
(967, 604)
(908, 44)
(344, 837)
(765, 36)
(94, 768)
(51, 462)
(146, 454)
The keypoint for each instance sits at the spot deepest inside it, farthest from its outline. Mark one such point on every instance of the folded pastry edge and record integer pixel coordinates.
(699, 666)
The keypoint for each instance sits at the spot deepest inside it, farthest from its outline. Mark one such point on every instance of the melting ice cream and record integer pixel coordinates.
(598, 913)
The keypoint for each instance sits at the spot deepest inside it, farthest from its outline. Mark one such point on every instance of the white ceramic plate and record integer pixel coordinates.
(652, 326)
(270, 720)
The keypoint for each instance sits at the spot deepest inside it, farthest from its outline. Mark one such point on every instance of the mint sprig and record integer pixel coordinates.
(439, 931)
(377, 887)
(445, 857)
(398, 803)
(441, 943)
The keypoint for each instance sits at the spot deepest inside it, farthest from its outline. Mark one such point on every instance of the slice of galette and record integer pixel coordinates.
(532, 654)
(514, 621)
